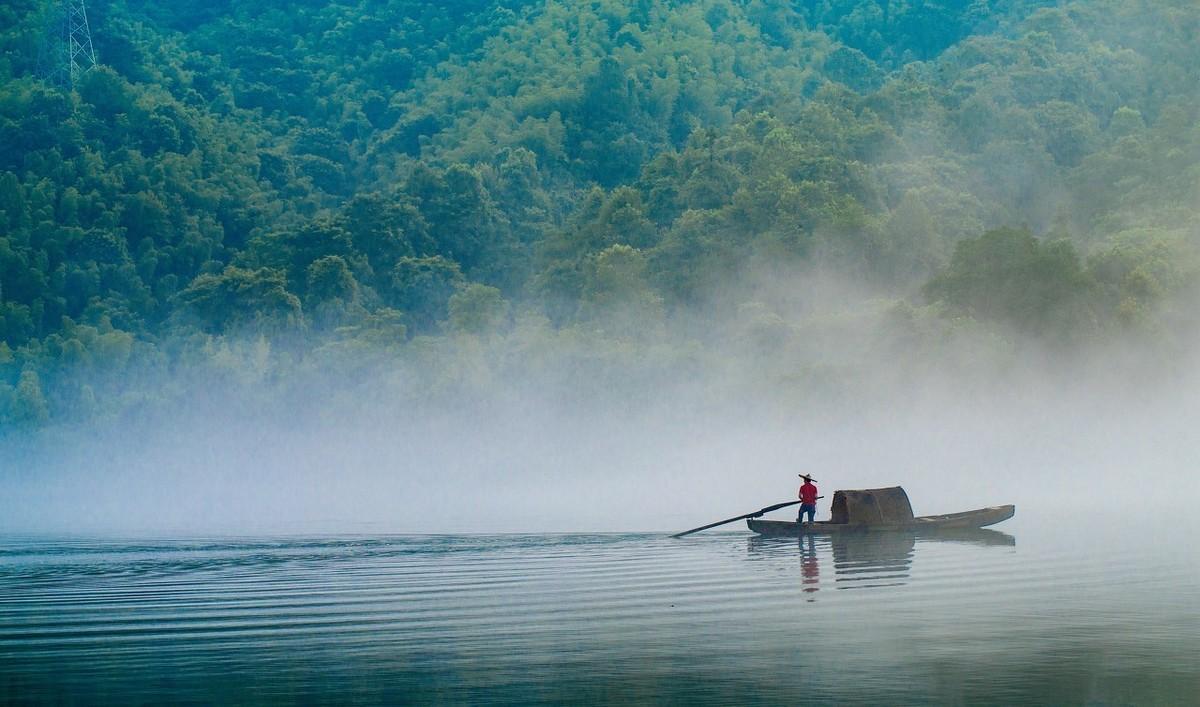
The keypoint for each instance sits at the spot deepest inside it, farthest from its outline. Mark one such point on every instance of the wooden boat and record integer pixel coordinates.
(968, 536)
(886, 509)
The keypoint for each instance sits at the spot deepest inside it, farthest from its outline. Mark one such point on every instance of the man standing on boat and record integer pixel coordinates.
(808, 499)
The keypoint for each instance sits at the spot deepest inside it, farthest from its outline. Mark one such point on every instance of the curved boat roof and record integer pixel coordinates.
(871, 507)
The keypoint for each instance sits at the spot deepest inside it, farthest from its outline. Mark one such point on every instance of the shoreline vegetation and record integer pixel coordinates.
(425, 202)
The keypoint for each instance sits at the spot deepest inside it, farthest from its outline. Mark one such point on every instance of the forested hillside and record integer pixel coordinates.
(253, 190)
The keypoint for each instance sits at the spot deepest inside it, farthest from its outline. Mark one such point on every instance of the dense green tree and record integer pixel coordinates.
(238, 298)
(29, 403)
(617, 293)
(329, 278)
(1009, 276)
(422, 288)
(476, 309)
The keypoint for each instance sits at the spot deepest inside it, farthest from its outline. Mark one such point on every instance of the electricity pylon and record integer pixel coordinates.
(66, 52)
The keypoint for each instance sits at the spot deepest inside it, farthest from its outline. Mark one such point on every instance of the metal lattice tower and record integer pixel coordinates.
(66, 52)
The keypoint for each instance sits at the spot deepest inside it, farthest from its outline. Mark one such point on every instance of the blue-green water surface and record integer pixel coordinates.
(1046, 613)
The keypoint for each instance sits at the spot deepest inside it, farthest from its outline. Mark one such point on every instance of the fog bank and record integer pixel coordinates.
(656, 433)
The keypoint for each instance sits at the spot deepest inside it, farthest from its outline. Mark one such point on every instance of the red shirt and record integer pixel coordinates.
(808, 494)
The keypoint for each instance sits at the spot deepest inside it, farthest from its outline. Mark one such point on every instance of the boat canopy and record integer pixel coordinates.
(872, 507)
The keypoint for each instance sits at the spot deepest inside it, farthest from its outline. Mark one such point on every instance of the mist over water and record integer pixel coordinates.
(579, 443)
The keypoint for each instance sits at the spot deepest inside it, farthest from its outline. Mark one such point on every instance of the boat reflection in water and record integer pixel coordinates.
(860, 560)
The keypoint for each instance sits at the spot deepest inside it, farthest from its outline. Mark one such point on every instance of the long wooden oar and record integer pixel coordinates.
(755, 514)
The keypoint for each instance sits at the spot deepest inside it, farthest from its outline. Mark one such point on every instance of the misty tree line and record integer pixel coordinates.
(251, 190)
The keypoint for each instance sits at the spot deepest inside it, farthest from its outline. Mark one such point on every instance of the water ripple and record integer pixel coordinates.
(564, 619)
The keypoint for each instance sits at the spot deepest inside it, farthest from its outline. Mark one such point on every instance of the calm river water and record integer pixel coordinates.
(1046, 613)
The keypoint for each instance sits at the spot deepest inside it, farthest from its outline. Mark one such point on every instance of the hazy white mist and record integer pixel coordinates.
(575, 440)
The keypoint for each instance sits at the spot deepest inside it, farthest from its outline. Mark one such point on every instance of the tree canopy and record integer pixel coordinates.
(337, 176)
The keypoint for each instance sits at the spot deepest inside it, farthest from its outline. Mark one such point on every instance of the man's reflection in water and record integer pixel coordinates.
(810, 567)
